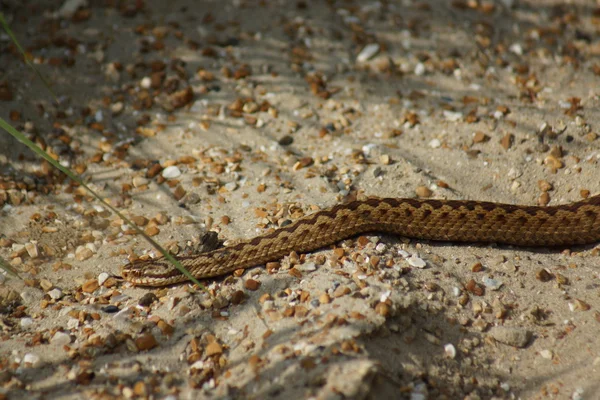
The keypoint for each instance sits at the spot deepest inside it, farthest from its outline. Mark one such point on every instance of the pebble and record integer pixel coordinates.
(147, 299)
(416, 261)
(146, 342)
(31, 360)
(61, 338)
(492, 284)
(251, 284)
(110, 309)
(423, 191)
(516, 337)
(26, 322)
(547, 354)
(83, 253)
(90, 286)
(435, 143)
(452, 116)
(139, 181)
(171, 172)
(55, 294)
(450, 350)
(102, 277)
(368, 52)
(231, 186)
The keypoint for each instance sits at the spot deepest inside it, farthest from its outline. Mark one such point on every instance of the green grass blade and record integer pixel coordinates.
(8, 268)
(25, 58)
(23, 139)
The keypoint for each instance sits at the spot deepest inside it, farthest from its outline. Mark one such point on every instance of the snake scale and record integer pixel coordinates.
(441, 220)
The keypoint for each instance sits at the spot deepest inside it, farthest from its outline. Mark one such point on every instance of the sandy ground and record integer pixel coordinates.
(239, 116)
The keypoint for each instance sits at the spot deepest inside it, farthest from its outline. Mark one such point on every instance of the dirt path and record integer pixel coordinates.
(241, 116)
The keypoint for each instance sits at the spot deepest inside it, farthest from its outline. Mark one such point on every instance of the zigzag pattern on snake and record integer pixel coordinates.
(440, 220)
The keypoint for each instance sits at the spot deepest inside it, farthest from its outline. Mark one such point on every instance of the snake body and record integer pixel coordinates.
(441, 220)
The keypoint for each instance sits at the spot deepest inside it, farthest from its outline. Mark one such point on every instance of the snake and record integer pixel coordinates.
(570, 224)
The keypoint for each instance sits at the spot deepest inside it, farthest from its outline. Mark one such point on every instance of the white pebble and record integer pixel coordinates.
(416, 261)
(435, 143)
(61, 339)
(146, 82)
(102, 278)
(492, 284)
(171, 172)
(72, 323)
(450, 350)
(452, 115)
(547, 354)
(231, 186)
(420, 69)
(367, 52)
(55, 294)
(31, 360)
(26, 322)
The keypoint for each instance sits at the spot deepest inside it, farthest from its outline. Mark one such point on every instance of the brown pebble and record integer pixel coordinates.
(477, 267)
(251, 284)
(474, 288)
(480, 137)
(544, 185)
(295, 273)
(237, 297)
(507, 141)
(90, 286)
(324, 299)
(140, 389)
(382, 309)
(543, 275)
(582, 305)
(225, 220)
(152, 230)
(147, 299)
(146, 342)
(165, 328)
(423, 191)
(139, 220)
(584, 193)
(213, 348)
(544, 199)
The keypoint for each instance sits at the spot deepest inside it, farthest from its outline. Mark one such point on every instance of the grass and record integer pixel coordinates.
(73, 176)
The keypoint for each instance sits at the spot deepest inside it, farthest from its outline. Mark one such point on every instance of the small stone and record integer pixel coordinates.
(147, 299)
(516, 337)
(435, 143)
(55, 294)
(547, 354)
(213, 348)
(416, 261)
(231, 186)
(32, 250)
(423, 191)
(90, 286)
(367, 52)
(61, 339)
(450, 351)
(252, 284)
(139, 181)
(171, 172)
(324, 299)
(543, 275)
(83, 253)
(102, 277)
(152, 230)
(480, 137)
(31, 360)
(46, 285)
(382, 309)
(146, 342)
(26, 322)
(452, 116)
(507, 141)
(286, 140)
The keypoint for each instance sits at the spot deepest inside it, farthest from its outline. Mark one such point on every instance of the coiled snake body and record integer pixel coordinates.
(441, 220)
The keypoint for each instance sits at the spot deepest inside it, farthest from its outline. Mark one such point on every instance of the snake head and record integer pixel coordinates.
(152, 273)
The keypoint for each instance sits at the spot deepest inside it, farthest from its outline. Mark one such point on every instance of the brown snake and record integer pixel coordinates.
(442, 220)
